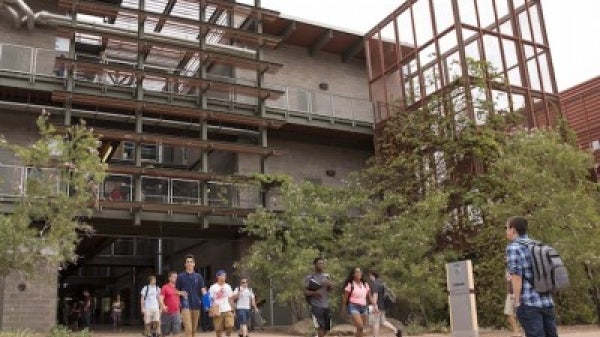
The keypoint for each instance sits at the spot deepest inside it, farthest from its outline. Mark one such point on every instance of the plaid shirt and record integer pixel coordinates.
(518, 263)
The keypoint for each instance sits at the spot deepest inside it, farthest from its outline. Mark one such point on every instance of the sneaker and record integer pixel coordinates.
(399, 333)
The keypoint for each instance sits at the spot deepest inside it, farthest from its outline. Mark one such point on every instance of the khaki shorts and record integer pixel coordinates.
(509, 306)
(225, 321)
(377, 318)
(151, 315)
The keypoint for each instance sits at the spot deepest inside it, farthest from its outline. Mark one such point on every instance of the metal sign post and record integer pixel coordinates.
(463, 311)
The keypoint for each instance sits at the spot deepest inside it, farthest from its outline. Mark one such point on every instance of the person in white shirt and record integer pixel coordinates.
(221, 310)
(150, 307)
(245, 301)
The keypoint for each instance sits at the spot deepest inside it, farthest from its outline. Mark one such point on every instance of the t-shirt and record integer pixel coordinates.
(323, 300)
(171, 298)
(244, 301)
(359, 294)
(190, 283)
(220, 295)
(150, 301)
(378, 289)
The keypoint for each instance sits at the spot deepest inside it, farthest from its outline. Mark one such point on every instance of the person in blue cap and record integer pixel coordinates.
(194, 287)
(221, 295)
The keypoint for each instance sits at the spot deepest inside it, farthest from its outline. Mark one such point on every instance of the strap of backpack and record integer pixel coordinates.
(529, 246)
(146, 294)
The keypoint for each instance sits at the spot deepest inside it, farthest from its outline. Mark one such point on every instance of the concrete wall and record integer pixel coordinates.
(29, 303)
(306, 72)
(17, 127)
(309, 161)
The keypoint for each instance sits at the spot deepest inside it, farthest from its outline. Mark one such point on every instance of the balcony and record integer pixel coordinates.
(160, 193)
(109, 77)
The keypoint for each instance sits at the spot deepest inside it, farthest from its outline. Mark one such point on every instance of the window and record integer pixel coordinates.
(596, 145)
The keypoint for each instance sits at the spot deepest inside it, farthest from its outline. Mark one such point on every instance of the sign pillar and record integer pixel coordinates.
(463, 310)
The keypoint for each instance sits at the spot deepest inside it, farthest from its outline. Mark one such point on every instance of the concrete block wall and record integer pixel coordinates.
(30, 302)
(17, 127)
(306, 72)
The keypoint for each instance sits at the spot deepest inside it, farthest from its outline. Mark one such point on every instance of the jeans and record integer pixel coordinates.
(537, 322)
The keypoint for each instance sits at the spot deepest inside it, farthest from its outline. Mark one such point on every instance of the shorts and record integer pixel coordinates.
(151, 315)
(377, 318)
(170, 323)
(321, 317)
(509, 306)
(224, 321)
(243, 316)
(354, 309)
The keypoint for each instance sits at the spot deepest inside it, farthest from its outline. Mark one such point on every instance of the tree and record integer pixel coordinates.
(440, 187)
(286, 243)
(48, 216)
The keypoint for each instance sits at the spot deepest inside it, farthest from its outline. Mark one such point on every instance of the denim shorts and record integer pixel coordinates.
(243, 316)
(354, 309)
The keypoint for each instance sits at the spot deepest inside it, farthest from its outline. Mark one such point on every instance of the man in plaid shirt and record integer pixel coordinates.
(535, 311)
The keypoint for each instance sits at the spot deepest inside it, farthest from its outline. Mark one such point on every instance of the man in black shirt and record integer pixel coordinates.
(378, 317)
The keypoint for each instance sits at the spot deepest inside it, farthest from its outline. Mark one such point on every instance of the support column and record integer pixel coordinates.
(139, 124)
(159, 257)
(203, 104)
(70, 82)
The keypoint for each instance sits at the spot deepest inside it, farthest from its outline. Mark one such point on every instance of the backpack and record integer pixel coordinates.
(549, 271)
(146, 293)
(389, 297)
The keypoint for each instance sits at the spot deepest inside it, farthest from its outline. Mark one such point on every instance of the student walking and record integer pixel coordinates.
(509, 308)
(117, 312)
(355, 299)
(317, 287)
(150, 307)
(534, 310)
(194, 287)
(222, 305)
(379, 318)
(245, 302)
(170, 319)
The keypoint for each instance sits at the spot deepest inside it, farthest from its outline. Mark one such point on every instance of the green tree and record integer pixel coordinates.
(286, 243)
(48, 216)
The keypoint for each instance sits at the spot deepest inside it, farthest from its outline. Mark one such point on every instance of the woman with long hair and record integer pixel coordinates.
(355, 300)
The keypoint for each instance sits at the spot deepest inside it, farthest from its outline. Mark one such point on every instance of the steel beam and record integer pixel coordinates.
(287, 32)
(320, 42)
(354, 49)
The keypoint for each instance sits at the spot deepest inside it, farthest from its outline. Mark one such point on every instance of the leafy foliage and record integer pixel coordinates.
(61, 186)
(442, 183)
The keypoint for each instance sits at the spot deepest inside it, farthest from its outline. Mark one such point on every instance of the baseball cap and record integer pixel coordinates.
(221, 272)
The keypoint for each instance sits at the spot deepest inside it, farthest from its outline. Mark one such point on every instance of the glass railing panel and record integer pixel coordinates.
(11, 181)
(185, 192)
(117, 187)
(16, 58)
(155, 190)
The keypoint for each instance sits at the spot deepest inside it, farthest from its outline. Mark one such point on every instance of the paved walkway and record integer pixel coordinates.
(579, 331)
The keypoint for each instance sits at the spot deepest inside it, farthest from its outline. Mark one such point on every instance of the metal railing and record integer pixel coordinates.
(295, 102)
(121, 187)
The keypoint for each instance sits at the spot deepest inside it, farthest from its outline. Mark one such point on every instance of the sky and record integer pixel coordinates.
(573, 28)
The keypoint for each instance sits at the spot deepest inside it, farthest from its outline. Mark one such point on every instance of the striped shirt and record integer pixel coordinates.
(518, 262)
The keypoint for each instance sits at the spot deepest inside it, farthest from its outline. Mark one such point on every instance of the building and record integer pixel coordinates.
(178, 116)
(186, 94)
(581, 108)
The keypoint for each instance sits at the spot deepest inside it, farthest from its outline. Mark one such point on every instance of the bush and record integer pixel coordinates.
(63, 331)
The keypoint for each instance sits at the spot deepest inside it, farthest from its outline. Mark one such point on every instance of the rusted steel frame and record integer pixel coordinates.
(525, 80)
(482, 53)
(463, 58)
(503, 57)
(390, 17)
(436, 39)
(538, 67)
(546, 43)
(419, 69)
(399, 64)
(382, 60)
(179, 141)
(165, 109)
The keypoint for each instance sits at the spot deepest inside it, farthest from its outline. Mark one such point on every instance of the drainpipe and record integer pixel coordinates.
(28, 17)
